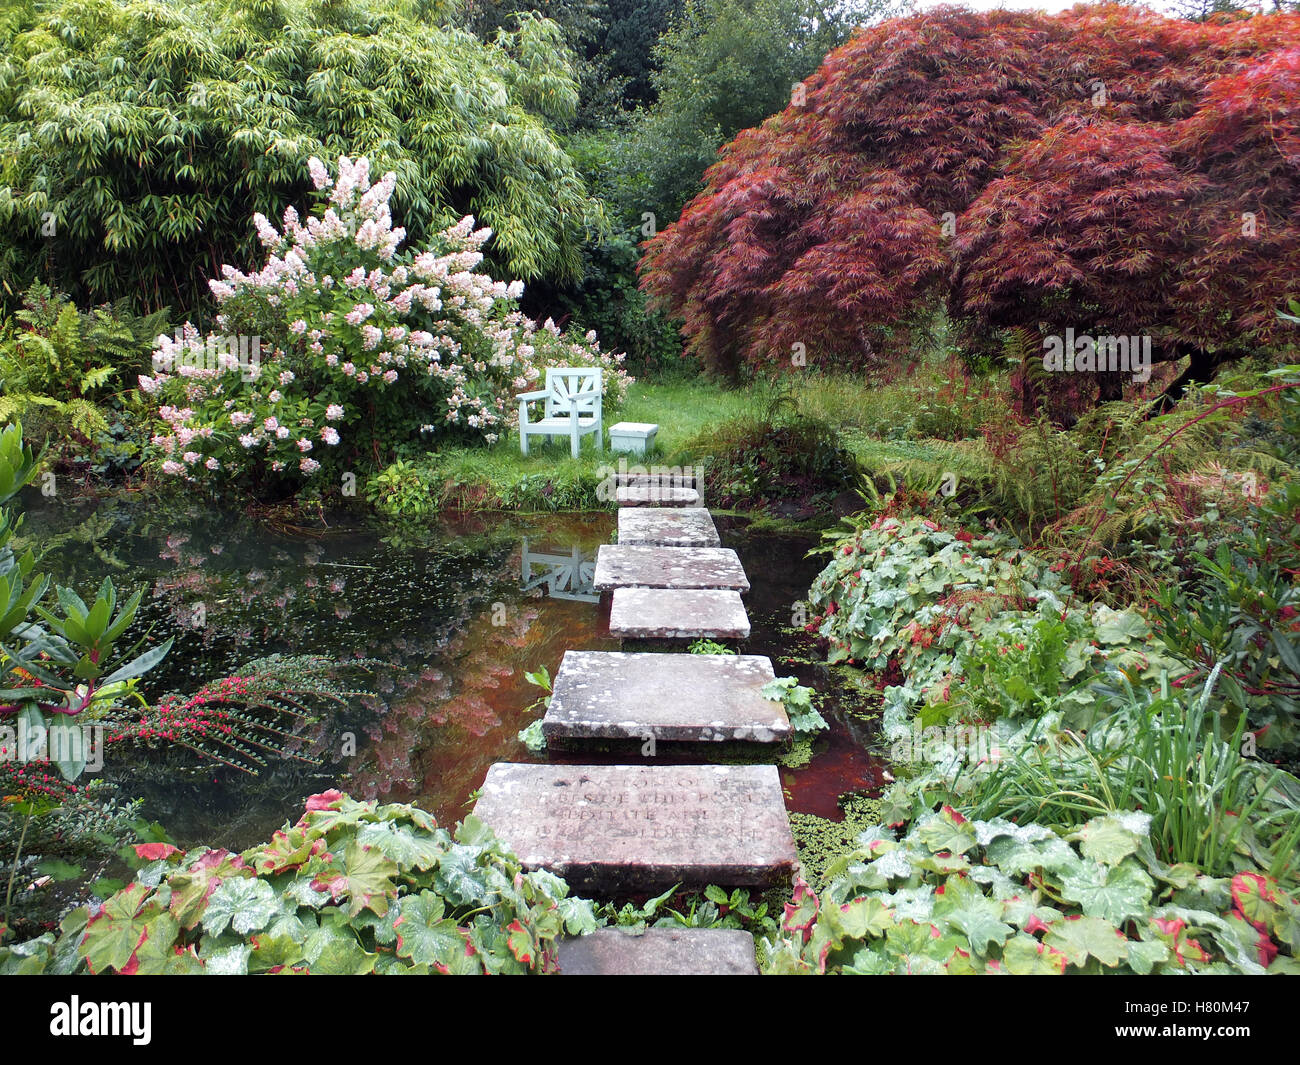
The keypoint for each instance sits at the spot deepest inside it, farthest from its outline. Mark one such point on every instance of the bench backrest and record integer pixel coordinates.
(573, 389)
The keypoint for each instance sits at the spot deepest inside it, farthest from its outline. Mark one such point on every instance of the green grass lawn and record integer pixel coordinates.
(550, 479)
(686, 410)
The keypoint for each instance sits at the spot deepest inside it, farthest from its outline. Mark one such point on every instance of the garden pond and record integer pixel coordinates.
(448, 617)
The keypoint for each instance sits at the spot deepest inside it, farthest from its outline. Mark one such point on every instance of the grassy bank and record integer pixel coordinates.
(702, 420)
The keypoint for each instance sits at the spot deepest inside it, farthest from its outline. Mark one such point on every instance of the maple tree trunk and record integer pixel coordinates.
(1201, 367)
(1110, 387)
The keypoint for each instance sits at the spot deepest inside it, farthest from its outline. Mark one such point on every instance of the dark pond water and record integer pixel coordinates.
(451, 616)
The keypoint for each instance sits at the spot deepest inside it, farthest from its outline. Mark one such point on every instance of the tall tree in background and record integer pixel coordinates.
(725, 65)
(137, 138)
(1106, 170)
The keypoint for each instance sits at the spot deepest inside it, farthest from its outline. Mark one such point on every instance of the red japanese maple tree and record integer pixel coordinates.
(1107, 170)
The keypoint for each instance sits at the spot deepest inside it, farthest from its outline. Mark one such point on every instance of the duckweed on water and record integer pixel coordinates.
(819, 840)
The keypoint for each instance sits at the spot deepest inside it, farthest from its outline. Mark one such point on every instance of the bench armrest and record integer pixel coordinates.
(533, 395)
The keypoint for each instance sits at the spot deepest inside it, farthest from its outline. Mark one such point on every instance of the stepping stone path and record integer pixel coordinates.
(641, 828)
(677, 614)
(667, 527)
(620, 566)
(648, 496)
(660, 952)
(638, 829)
(682, 697)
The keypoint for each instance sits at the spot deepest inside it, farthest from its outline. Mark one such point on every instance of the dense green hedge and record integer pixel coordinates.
(137, 139)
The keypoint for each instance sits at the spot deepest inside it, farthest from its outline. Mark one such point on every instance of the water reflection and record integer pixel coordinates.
(571, 576)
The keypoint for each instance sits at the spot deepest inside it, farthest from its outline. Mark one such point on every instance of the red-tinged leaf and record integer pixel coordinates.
(1255, 899)
(151, 852)
(521, 943)
(801, 911)
(1266, 949)
(325, 800)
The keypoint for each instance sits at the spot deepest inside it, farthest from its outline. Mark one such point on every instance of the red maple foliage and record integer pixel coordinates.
(1105, 169)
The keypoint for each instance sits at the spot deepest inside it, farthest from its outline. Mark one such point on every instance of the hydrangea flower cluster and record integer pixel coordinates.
(361, 345)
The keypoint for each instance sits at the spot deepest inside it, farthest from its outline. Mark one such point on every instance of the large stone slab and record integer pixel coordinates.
(636, 828)
(667, 527)
(659, 952)
(650, 496)
(630, 566)
(677, 614)
(674, 698)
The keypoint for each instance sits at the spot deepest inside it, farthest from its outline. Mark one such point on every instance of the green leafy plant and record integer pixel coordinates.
(1163, 751)
(957, 896)
(704, 646)
(1241, 613)
(66, 374)
(245, 96)
(350, 888)
(797, 699)
(531, 736)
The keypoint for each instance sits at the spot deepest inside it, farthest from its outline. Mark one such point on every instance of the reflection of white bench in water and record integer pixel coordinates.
(570, 576)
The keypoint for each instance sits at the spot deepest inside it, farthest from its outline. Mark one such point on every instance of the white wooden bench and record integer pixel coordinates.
(572, 396)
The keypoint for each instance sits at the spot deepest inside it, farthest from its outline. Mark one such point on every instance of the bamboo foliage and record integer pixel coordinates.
(137, 137)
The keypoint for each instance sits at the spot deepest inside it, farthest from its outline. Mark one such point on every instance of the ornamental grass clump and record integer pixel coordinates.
(344, 351)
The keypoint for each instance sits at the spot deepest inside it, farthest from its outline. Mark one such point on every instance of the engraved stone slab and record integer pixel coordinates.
(634, 828)
(682, 698)
(677, 614)
(659, 952)
(643, 496)
(630, 566)
(667, 527)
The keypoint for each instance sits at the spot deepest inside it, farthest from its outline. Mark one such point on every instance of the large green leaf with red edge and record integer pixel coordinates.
(460, 877)
(288, 849)
(1080, 938)
(947, 832)
(801, 911)
(521, 943)
(1025, 956)
(862, 918)
(116, 930)
(420, 851)
(244, 904)
(1255, 897)
(332, 949)
(191, 888)
(980, 920)
(1115, 893)
(366, 880)
(425, 934)
(160, 955)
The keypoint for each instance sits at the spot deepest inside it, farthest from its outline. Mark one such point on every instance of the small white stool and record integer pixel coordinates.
(633, 438)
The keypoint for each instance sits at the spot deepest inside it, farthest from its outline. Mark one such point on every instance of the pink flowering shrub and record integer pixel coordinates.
(346, 349)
